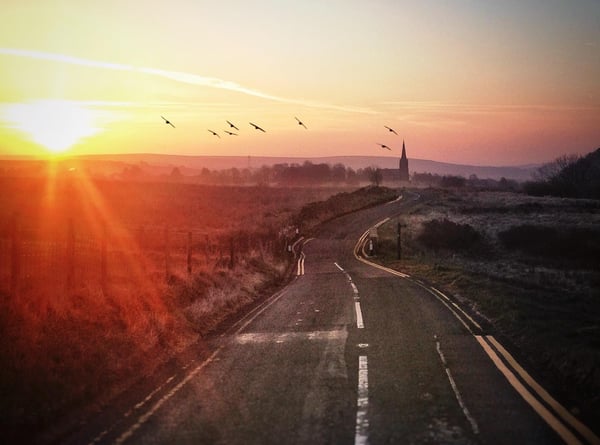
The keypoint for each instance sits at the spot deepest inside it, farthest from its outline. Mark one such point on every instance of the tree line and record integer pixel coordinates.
(283, 174)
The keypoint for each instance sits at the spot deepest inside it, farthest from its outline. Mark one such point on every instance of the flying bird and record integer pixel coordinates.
(233, 126)
(256, 127)
(230, 133)
(168, 123)
(215, 134)
(391, 130)
(300, 123)
(384, 146)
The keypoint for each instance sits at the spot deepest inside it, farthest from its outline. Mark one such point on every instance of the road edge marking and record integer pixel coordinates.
(559, 409)
(361, 436)
(459, 399)
(551, 420)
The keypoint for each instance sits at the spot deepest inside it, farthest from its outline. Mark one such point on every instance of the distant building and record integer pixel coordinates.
(404, 165)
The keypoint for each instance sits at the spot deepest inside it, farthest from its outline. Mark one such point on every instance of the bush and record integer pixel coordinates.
(446, 234)
(575, 244)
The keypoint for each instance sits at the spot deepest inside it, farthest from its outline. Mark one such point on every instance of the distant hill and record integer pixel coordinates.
(190, 164)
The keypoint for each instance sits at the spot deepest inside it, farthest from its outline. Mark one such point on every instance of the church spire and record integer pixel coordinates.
(404, 165)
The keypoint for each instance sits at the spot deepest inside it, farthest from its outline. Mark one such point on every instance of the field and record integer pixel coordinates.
(101, 281)
(529, 266)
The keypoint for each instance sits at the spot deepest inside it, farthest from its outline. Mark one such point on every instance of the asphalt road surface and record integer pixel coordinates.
(346, 353)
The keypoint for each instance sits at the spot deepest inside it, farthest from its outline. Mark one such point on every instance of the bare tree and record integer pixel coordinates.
(551, 170)
(374, 174)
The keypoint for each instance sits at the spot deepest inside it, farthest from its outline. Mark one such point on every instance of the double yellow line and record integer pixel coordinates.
(571, 430)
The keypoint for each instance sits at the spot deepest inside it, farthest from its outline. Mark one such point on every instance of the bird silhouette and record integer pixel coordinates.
(232, 126)
(256, 127)
(215, 134)
(391, 130)
(300, 123)
(168, 123)
(384, 146)
(230, 133)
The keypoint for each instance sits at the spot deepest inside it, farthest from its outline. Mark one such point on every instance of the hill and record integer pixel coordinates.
(193, 164)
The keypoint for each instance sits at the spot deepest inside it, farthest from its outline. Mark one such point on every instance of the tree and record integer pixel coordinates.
(338, 173)
(374, 175)
(176, 174)
(568, 176)
(453, 181)
(551, 170)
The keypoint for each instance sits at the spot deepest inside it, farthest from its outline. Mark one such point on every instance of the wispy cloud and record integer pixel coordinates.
(177, 76)
(467, 108)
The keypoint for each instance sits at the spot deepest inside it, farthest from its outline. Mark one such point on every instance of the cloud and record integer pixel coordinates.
(177, 76)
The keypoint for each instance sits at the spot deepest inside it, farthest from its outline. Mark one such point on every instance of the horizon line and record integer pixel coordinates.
(65, 157)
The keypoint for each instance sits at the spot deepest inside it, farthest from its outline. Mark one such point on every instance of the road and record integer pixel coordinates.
(346, 353)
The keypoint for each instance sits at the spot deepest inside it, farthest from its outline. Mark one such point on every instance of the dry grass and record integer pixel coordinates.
(63, 346)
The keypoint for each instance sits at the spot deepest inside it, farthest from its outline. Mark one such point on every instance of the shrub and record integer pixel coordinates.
(446, 234)
(577, 244)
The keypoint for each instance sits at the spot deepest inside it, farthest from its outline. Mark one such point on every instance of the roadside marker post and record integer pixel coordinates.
(400, 225)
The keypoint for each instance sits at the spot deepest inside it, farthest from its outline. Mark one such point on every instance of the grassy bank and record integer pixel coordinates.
(539, 295)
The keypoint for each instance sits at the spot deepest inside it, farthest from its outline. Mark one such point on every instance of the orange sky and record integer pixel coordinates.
(496, 83)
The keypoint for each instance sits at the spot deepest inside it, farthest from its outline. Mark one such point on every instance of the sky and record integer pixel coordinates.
(461, 81)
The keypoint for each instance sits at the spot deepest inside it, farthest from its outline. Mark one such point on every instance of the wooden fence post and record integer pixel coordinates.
(70, 254)
(103, 255)
(231, 253)
(207, 249)
(189, 253)
(15, 264)
(399, 241)
(167, 265)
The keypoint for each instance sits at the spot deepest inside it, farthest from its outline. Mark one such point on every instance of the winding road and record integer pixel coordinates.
(348, 352)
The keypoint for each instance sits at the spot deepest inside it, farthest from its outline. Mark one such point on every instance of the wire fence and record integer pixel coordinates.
(72, 257)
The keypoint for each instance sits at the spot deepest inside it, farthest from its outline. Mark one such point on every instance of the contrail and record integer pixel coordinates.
(177, 76)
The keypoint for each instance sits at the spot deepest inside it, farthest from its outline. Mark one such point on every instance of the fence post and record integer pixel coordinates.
(207, 249)
(231, 253)
(15, 264)
(70, 254)
(103, 255)
(399, 241)
(189, 253)
(142, 237)
(167, 265)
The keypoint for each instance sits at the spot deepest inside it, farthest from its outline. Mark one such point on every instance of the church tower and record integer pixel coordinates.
(404, 165)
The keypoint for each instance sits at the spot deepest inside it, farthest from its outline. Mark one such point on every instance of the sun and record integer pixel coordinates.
(57, 125)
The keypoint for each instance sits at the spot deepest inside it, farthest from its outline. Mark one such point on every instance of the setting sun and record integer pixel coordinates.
(56, 125)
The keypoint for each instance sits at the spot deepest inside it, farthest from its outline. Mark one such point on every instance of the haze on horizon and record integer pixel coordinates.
(487, 83)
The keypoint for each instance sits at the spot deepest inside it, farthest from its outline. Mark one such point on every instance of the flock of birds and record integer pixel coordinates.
(256, 127)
